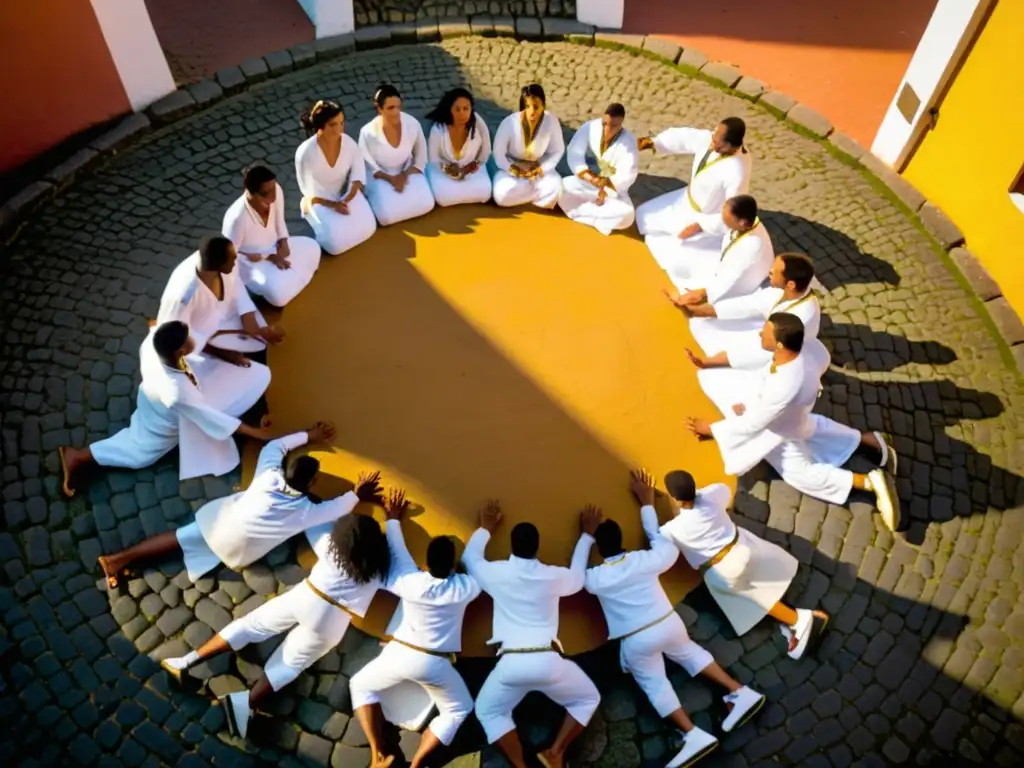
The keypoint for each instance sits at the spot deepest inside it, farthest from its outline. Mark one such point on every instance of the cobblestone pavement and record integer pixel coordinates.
(924, 659)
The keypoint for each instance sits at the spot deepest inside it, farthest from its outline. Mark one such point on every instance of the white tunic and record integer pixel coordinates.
(620, 163)
(546, 149)
(431, 610)
(736, 266)
(188, 299)
(525, 592)
(336, 232)
(474, 188)
(415, 199)
(252, 238)
(627, 585)
(327, 577)
(711, 184)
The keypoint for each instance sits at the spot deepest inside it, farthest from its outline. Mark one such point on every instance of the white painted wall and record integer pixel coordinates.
(943, 44)
(137, 54)
(601, 13)
(330, 17)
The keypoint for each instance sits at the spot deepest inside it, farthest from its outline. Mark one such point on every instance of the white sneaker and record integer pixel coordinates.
(174, 667)
(745, 704)
(887, 499)
(697, 744)
(889, 461)
(237, 712)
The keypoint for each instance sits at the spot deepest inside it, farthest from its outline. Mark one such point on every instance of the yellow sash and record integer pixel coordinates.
(757, 223)
(702, 166)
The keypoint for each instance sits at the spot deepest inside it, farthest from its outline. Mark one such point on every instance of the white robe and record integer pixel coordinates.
(416, 199)
(474, 188)
(751, 578)
(336, 232)
(547, 149)
(735, 265)
(620, 163)
(187, 298)
(721, 178)
(171, 410)
(736, 327)
(245, 228)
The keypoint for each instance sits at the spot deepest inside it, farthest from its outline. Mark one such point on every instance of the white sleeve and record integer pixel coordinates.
(273, 453)
(485, 141)
(663, 553)
(353, 155)
(280, 225)
(303, 172)
(367, 152)
(718, 493)
(576, 155)
(243, 301)
(473, 557)
(402, 563)
(501, 142)
(329, 511)
(683, 141)
(762, 411)
(556, 148)
(419, 150)
(176, 307)
(743, 307)
(730, 272)
(712, 222)
(435, 146)
(216, 424)
(572, 578)
(626, 171)
(233, 227)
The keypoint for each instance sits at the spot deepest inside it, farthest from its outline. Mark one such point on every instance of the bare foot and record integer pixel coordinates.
(71, 460)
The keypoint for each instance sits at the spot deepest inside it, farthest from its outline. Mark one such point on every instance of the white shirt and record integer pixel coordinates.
(318, 178)
(243, 527)
(381, 156)
(627, 585)
(706, 529)
(620, 161)
(547, 147)
(431, 612)
(476, 149)
(327, 577)
(525, 592)
(186, 298)
(245, 228)
(743, 265)
(722, 177)
(764, 302)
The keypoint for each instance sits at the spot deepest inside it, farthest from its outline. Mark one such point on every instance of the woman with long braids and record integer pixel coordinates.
(332, 178)
(527, 150)
(458, 148)
(396, 156)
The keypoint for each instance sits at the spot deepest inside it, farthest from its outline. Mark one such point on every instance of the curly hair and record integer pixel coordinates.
(360, 549)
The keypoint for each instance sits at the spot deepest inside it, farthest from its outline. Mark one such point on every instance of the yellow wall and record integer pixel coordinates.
(967, 164)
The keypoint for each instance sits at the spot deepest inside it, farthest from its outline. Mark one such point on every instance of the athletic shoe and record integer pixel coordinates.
(697, 744)
(889, 461)
(745, 704)
(887, 499)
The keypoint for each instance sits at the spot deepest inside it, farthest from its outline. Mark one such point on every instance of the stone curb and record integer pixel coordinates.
(196, 96)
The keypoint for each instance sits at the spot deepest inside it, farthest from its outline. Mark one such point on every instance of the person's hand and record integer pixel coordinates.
(644, 143)
(473, 167)
(341, 207)
(399, 182)
(321, 432)
(602, 195)
(272, 334)
(695, 359)
(367, 487)
(690, 231)
(279, 261)
(739, 409)
(590, 518)
(641, 485)
(235, 358)
(490, 516)
(689, 298)
(412, 170)
(536, 172)
(283, 249)
(698, 427)
(395, 504)
(515, 171)
(306, 205)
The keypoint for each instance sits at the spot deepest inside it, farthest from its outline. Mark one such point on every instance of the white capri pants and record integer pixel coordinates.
(643, 656)
(441, 680)
(314, 626)
(543, 192)
(519, 673)
(814, 466)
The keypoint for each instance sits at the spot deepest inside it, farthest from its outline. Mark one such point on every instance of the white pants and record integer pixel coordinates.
(643, 656)
(391, 207)
(279, 286)
(340, 232)
(510, 191)
(475, 188)
(579, 201)
(690, 263)
(314, 626)
(667, 214)
(814, 466)
(445, 685)
(519, 673)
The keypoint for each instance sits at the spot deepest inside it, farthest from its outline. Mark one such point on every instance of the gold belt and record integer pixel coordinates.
(705, 567)
(648, 625)
(540, 649)
(439, 654)
(332, 601)
(693, 203)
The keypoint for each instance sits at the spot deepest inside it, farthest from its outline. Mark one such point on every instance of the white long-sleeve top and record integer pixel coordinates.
(706, 529)
(334, 582)
(243, 527)
(546, 149)
(743, 265)
(318, 178)
(381, 156)
(525, 592)
(627, 585)
(620, 162)
(186, 298)
(764, 302)
(477, 148)
(779, 410)
(245, 228)
(431, 610)
(721, 178)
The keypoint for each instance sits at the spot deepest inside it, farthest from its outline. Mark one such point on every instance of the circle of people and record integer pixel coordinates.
(761, 365)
